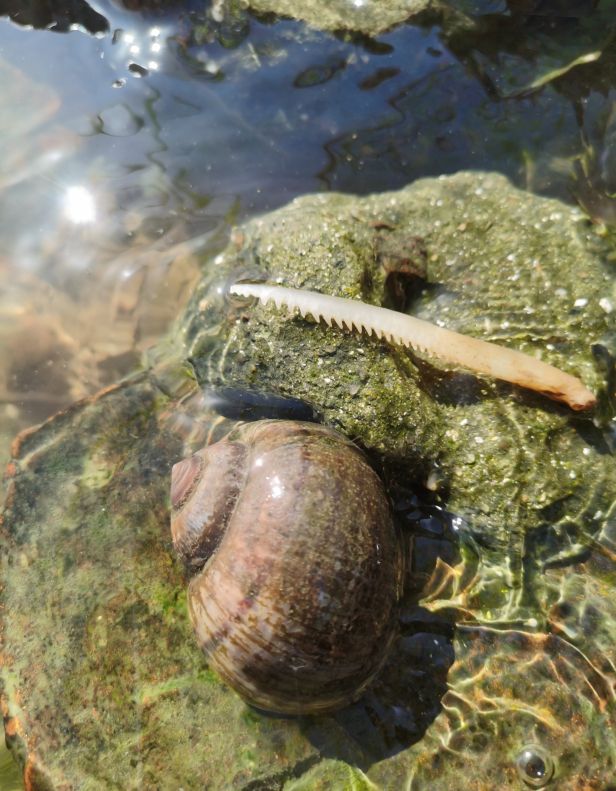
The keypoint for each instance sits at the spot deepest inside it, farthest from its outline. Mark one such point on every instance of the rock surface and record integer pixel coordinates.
(366, 16)
(498, 264)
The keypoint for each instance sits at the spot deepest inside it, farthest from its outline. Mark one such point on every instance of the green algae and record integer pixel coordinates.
(329, 776)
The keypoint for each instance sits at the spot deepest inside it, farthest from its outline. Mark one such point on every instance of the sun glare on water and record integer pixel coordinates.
(79, 205)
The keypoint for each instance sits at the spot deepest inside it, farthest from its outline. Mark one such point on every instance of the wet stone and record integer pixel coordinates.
(365, 16)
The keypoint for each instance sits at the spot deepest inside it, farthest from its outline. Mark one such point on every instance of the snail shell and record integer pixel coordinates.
(296, 561)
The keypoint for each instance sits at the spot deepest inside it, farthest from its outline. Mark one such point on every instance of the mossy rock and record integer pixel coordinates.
(372, 17)
(350, 17)
(103, 685)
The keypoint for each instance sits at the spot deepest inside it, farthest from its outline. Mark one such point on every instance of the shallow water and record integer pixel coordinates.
(129, 153)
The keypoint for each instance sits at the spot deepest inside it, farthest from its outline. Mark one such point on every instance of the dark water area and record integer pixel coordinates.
(134, 141)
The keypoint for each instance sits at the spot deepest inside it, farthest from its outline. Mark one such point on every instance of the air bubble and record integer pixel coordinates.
(534, 765)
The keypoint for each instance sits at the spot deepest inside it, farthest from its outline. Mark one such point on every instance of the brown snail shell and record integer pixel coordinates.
(297, 563)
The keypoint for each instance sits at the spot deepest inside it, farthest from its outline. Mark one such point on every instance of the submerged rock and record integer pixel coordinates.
(365, 16)
(103, 682)
(499, 264)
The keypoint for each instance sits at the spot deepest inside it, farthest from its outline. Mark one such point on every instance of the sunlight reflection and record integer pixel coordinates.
(79, 205)
(134, 46)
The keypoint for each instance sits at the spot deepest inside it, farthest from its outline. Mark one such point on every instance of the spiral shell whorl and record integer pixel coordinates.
(202, 501)
(296, 608)
(184, 477)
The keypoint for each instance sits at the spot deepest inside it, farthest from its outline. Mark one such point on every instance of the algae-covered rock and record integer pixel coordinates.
(498, 264)
(103, 683)
(366, 16)
(329, 776)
